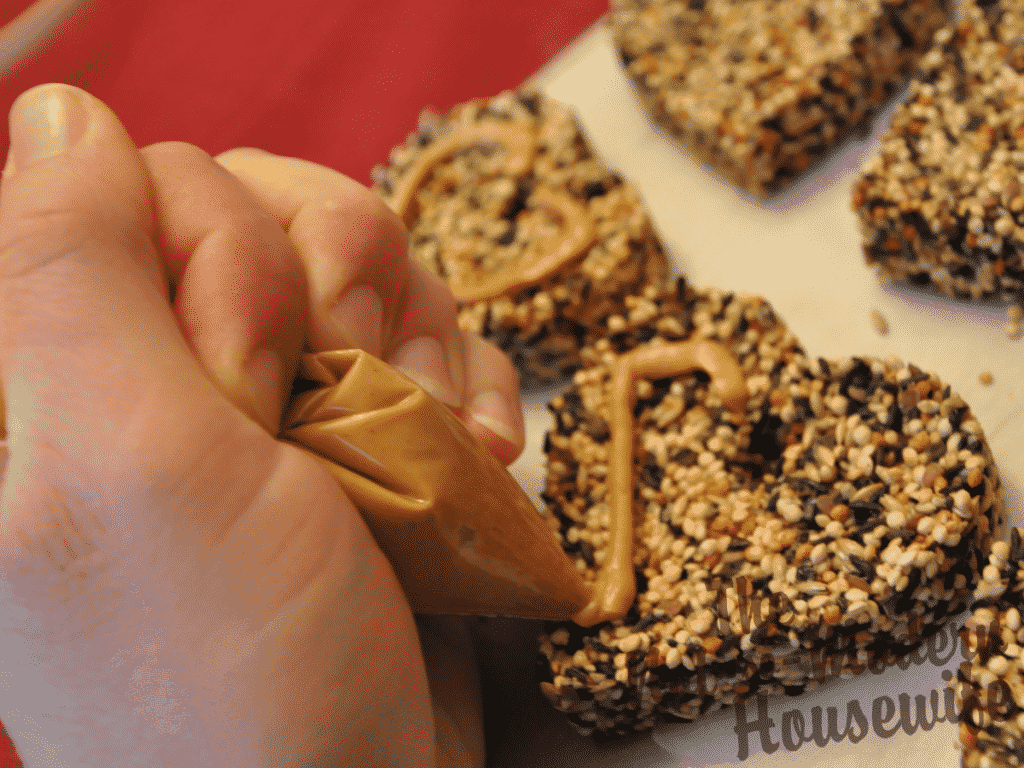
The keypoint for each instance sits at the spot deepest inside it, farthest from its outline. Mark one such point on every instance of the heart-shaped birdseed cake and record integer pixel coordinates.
(824, 517)
(760, 88)
(990, 683)
(537, 239)
(943, 201)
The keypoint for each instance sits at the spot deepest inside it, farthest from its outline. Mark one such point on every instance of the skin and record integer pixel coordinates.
(177, 587)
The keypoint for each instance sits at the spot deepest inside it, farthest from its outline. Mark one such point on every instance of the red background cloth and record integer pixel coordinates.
(338, 82)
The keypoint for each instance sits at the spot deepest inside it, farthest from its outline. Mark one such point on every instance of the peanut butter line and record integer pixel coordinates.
(578, 232)
(615, 587)
(545, 257)
(519, 142)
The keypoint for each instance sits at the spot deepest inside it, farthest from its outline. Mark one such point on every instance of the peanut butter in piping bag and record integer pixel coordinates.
(461, 535)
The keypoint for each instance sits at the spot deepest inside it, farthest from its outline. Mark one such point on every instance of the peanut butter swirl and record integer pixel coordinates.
(520, 144)
(615, 587)
(545, 256)
(576, 235)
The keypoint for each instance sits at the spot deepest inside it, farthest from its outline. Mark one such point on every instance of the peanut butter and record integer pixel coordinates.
(577, 234)
(461, 535)
(615, 587)
(520, 144)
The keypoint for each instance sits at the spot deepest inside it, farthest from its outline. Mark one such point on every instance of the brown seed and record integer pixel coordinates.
(858, 583)
(711, 644)
(840, 512)
(832, 615)
(986, 378)
(968, 736)
(920, 441)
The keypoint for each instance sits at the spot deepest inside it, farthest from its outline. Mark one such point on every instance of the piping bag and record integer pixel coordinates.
(461, 535)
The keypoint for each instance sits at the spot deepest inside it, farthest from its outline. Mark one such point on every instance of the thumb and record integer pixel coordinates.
(86, 331)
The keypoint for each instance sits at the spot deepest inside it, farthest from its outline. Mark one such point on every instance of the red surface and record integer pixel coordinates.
(335, 81)
(338, 82)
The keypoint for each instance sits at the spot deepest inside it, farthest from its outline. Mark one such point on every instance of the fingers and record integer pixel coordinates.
(426, 343)
(241, 289)
(354, 249)
(84, 317)
(365, 292)
(493, 411)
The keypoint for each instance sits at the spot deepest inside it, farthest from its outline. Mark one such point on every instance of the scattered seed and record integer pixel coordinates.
(879, 322)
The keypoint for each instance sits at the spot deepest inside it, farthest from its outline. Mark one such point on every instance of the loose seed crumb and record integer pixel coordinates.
(881, 324)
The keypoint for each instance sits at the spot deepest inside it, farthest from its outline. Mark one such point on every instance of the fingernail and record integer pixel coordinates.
(489, 409)
(265, 371)
(45, 121)
(424, 361)
(358, 318)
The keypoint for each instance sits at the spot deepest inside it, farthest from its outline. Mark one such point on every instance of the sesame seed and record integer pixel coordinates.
(881, 325)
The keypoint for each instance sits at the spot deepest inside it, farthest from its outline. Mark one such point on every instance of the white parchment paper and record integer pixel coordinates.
(801, 250)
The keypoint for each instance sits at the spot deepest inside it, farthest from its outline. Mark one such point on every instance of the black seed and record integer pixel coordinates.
(508, 236)
(646, 333)
(864, 569)
(813, 19)
(865, 510)
(586, 550)
(651, 473)
(596, 427)
(647, 622)
(858, 376)
(517, 203)
(531, 102)
(1017, 545)
(899, 26)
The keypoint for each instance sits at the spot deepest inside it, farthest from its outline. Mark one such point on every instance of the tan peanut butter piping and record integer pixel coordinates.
(576, 233)
(520, 144)
(615, 587)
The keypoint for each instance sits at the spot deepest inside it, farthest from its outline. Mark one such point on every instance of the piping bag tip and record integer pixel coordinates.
(461, 535)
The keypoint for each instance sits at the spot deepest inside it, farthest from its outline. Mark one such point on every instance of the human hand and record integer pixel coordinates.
(176, 586)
